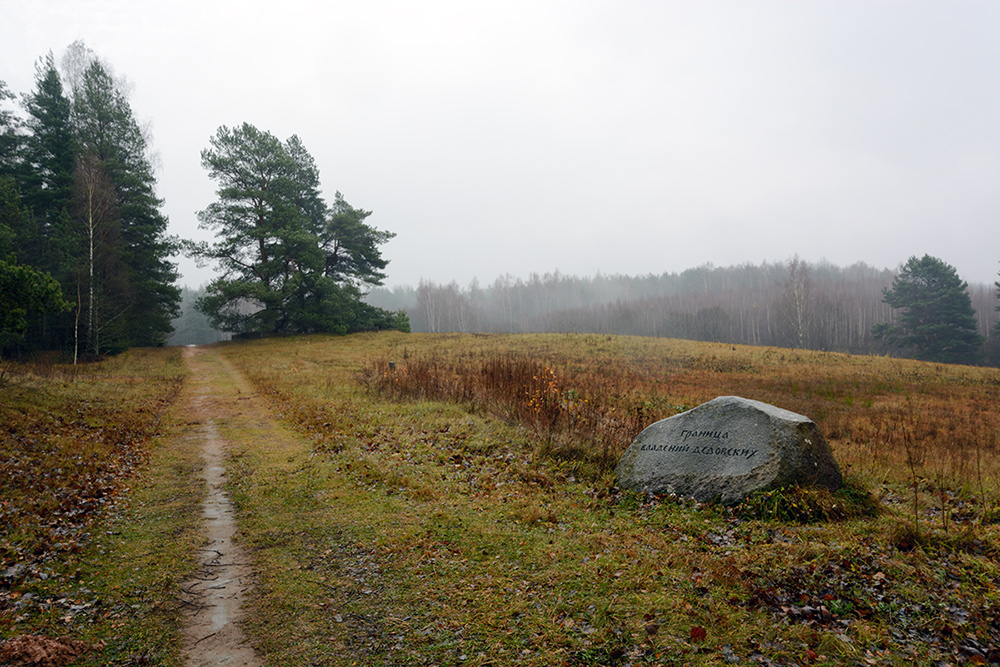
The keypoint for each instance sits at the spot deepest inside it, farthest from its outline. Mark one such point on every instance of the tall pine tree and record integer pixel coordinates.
(938, 321)
(289, 263)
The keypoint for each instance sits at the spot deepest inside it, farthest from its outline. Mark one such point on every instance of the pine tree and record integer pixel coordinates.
(938, 322)
(289, 264)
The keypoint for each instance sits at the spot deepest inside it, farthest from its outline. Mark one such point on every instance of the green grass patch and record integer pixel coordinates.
(798, 504)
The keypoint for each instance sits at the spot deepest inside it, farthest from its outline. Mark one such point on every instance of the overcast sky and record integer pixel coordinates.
(627, 137)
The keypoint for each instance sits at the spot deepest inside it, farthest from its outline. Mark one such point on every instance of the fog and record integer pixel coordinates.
(623, 138)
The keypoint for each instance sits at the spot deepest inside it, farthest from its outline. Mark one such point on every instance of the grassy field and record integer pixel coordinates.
(449, 500)
(455, 521)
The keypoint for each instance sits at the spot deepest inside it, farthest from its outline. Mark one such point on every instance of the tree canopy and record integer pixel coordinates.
(89, 216)
(937, 322)
(25, 293)
(290, 263)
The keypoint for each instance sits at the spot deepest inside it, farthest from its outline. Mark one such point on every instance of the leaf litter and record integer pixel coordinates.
(70, 446)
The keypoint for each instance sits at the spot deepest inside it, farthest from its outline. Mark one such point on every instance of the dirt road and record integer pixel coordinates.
(213, 635)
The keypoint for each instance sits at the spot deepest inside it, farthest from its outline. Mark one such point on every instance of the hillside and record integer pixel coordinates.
(415, 515)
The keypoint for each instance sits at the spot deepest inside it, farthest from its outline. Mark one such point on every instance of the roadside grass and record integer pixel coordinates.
(88, 496)
(442, 532)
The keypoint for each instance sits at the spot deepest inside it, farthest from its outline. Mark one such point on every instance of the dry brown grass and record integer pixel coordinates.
(891, 419)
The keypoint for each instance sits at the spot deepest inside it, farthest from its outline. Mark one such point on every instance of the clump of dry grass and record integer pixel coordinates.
(586, 419)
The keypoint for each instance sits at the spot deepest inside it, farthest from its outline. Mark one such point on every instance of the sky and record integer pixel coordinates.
(623, 137)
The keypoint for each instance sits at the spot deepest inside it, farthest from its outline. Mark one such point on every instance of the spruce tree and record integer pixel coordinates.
(46, 175)
(137, 276)
(50, 154)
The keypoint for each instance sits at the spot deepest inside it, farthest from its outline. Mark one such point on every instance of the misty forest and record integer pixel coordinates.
(85, 258)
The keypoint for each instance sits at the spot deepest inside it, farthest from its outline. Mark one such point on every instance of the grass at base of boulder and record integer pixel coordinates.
(803, 504)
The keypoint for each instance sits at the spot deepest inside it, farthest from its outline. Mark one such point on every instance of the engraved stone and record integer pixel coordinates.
(726, 449)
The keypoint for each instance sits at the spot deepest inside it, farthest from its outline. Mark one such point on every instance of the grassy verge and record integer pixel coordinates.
(409, 531)
(98, 513)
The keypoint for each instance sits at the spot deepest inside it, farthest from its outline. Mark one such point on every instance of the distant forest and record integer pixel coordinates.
(191, 326)
(86, 270)
(786, 304)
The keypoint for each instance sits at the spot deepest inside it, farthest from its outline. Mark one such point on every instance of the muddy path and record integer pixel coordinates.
(212, 631)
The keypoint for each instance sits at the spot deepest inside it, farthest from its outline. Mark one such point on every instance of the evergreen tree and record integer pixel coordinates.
(49, 161)
(25, 293)
(137, 279)
(351, 246)
(289, 263)
(93, 219)
(9, 138)
(938, 322)
(46, 174)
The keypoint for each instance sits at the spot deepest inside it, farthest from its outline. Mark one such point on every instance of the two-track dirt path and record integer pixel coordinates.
(212, 633)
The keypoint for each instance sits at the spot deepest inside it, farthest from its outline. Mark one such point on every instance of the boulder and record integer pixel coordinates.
(726, 449)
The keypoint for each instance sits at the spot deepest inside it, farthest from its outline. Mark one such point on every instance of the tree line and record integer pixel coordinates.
(85, 264)
(85, 270)
(788, 304)
(84, 253)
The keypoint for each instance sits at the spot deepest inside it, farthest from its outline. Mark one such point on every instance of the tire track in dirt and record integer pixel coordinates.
(212, 631)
